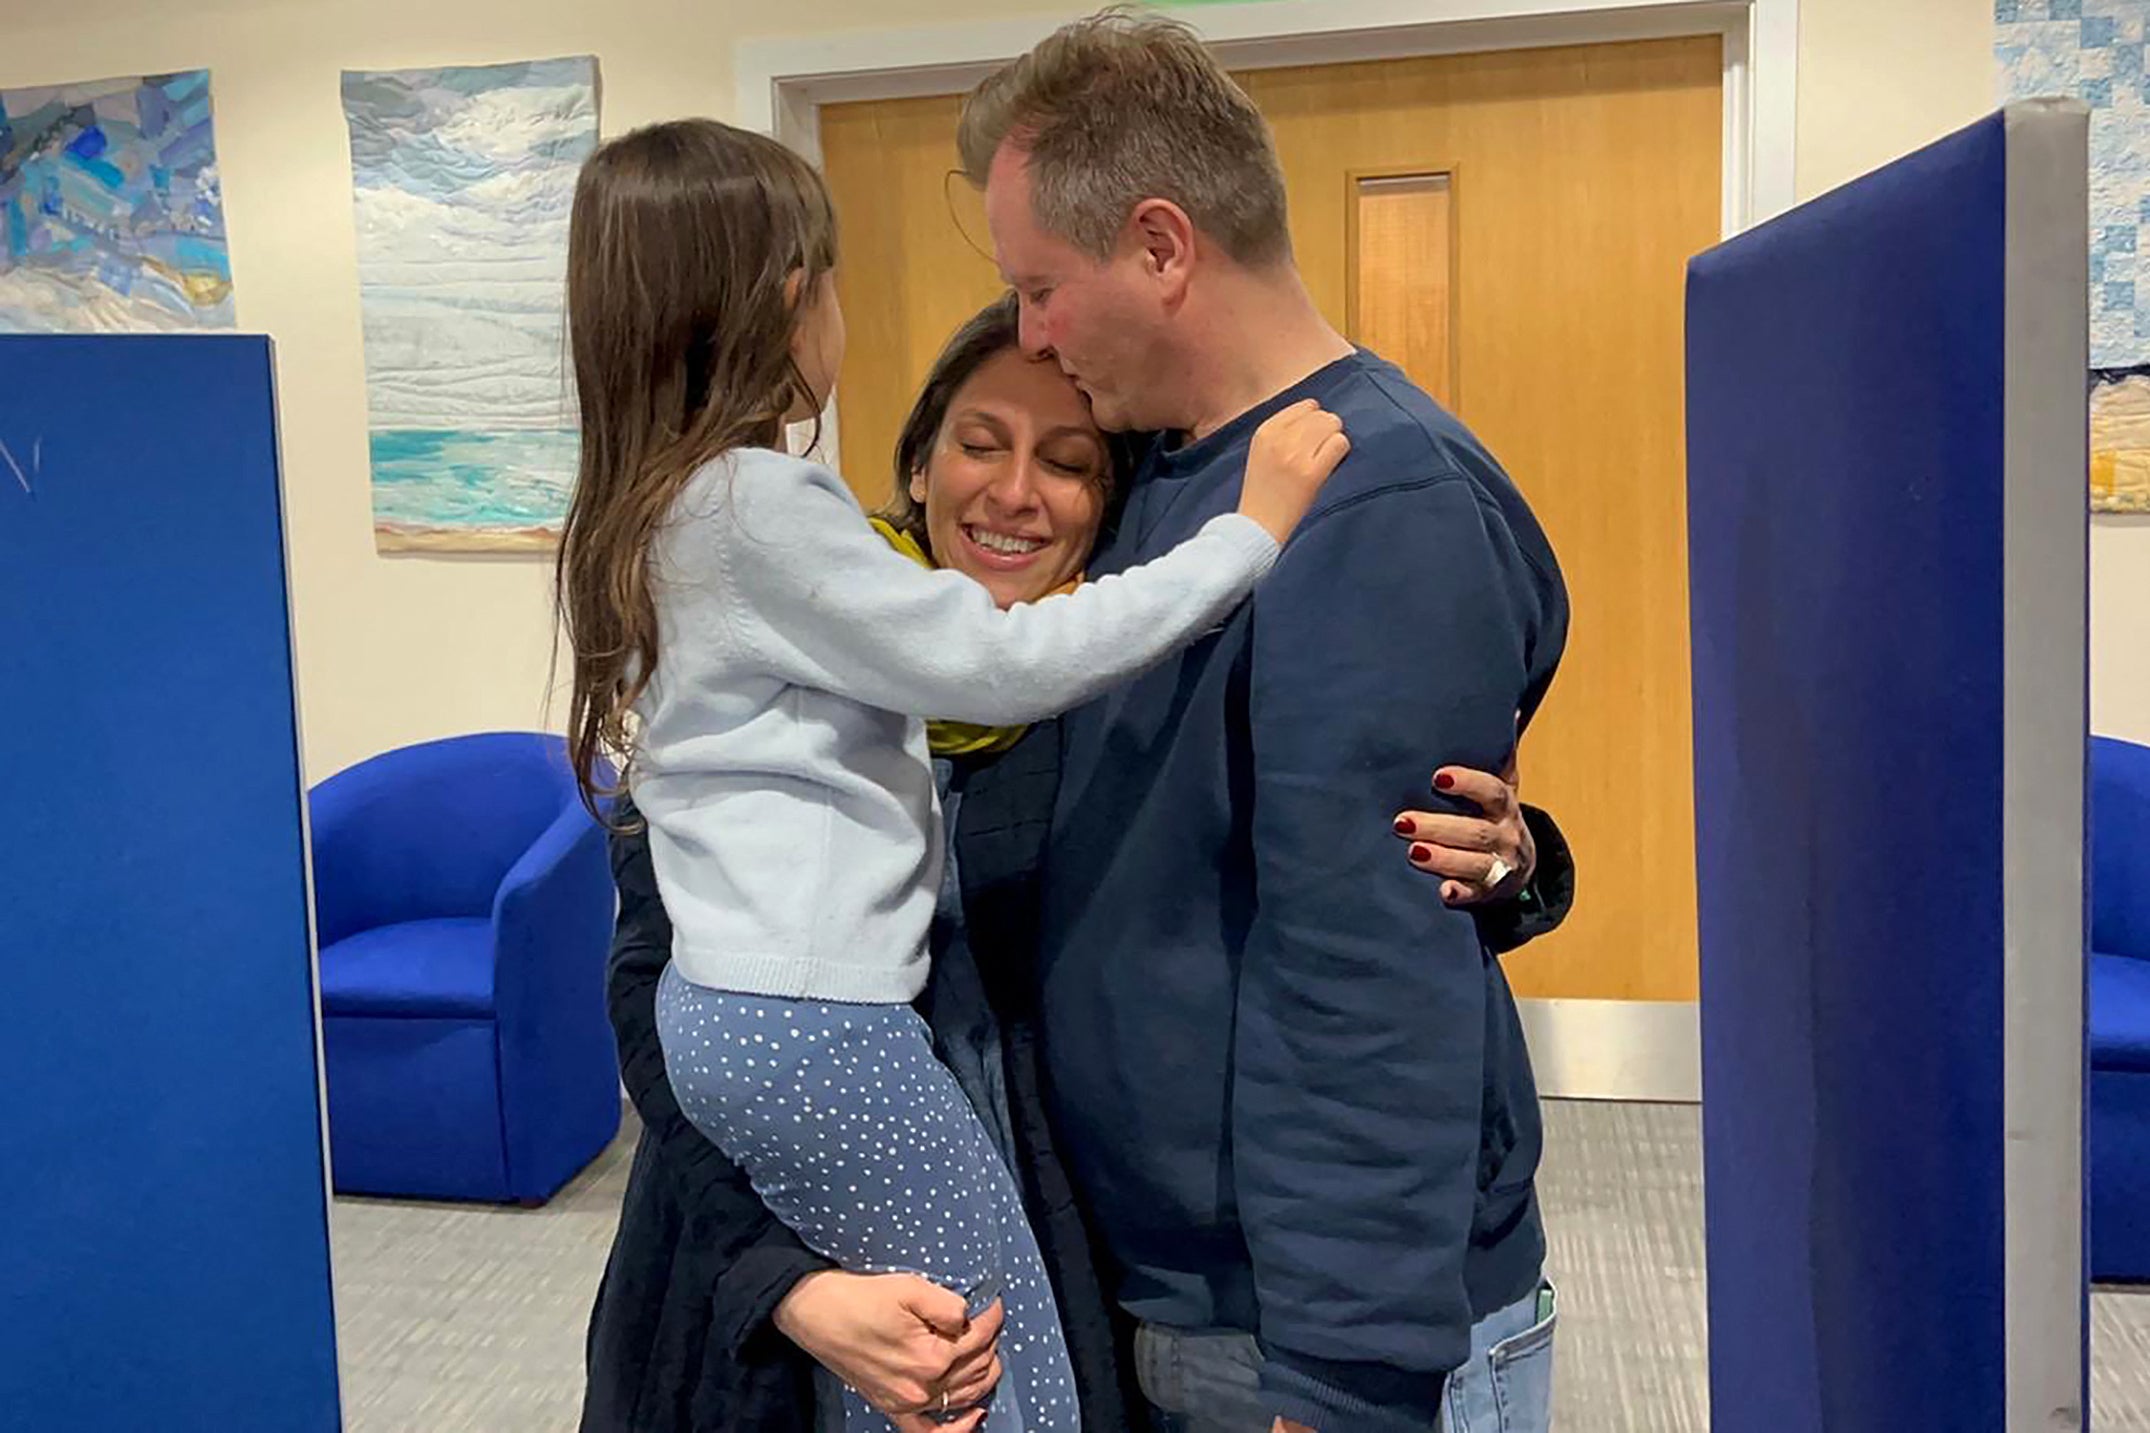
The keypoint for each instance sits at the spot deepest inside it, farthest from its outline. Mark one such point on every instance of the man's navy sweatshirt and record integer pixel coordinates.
(1291, 1082)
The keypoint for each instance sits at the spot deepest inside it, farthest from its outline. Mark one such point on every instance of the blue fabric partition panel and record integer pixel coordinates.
(164, 1257)
(1888, 530)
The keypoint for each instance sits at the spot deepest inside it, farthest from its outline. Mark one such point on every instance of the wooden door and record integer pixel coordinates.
(1513, 228)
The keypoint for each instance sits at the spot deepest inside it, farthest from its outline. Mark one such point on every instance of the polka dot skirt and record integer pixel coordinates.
(861, 1141)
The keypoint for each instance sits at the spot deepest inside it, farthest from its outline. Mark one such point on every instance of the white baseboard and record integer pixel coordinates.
(1642, 1050)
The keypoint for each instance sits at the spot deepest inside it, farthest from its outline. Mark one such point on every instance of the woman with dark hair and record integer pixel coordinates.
(712, 1314)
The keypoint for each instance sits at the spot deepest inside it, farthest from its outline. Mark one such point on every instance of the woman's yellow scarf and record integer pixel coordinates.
(955, 738)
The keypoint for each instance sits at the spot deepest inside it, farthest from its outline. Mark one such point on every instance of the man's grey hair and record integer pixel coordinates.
(1125, 106)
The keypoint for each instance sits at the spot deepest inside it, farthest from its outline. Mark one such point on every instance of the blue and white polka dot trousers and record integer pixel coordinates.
(856, 1136)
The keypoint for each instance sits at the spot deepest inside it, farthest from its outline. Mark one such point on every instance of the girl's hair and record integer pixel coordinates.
(986, 334)
(681, 246)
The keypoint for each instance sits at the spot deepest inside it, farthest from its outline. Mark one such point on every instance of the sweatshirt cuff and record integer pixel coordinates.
(1332, 1397)
(1539, 908)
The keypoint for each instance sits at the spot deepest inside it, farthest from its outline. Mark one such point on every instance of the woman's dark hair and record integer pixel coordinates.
(987, 333)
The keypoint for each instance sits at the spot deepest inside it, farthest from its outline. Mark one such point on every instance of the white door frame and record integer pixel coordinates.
(1582, 1048)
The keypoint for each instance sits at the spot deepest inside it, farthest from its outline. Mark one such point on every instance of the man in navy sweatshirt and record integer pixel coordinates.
(1293, 1089)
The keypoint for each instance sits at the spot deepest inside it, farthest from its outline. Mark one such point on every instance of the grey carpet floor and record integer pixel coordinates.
(469, 1319)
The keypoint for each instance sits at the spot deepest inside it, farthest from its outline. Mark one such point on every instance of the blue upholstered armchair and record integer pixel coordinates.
(2119, 1010)
(464, 907)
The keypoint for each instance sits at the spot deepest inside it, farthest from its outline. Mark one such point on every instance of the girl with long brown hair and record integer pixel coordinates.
(760, 661)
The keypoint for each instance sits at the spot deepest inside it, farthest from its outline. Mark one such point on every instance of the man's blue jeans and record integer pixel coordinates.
(1210, 1381)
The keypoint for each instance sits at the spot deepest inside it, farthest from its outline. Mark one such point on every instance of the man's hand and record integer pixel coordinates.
(1488, 857)
(902, 1342)
(1285, 1425)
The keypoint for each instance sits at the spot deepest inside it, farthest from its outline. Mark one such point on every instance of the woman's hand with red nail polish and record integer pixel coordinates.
(1467, 852)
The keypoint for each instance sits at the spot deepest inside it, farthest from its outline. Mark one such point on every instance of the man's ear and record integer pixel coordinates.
(1160, 231)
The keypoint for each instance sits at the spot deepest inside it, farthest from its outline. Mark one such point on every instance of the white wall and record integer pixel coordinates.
(2120, 627)
(1878, 78)
(397, 649)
